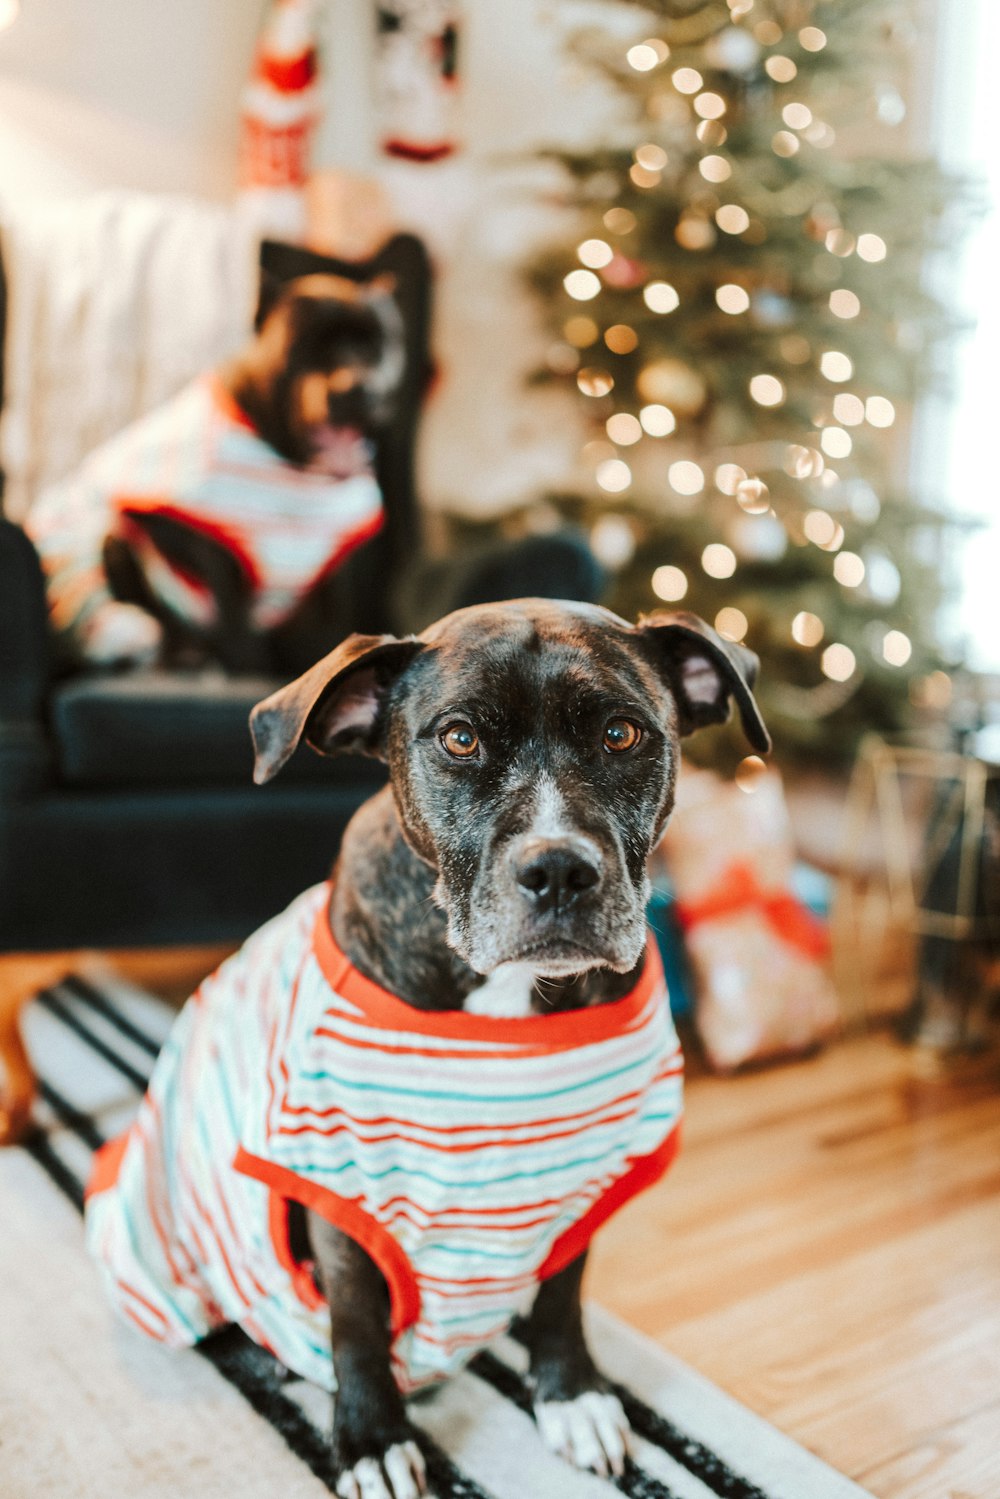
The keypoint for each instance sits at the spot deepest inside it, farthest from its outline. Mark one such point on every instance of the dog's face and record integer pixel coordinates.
(533, 750)
(324, 366)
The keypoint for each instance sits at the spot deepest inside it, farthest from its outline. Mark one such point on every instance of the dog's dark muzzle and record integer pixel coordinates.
(560, 903)
(361, 407)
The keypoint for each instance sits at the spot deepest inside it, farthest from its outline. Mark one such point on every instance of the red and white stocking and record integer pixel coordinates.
(280, 110)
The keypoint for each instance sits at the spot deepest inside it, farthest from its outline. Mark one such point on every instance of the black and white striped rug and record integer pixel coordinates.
(89, 1408)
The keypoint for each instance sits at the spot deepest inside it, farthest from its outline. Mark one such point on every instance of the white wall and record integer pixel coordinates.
(143, 93)
(123, 93)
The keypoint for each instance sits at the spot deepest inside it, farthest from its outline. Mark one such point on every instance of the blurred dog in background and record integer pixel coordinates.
(206, 523)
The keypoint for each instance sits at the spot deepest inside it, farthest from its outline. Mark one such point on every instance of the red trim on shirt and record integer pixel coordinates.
(381, 1007)
(106, 1165)
(643, 1173)
(305, 1287)
(355, 1221)
(135, 506)
(226, 403)
(361, 533)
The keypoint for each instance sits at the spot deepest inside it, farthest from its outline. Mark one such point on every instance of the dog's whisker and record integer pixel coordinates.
(430, 906)
(540, 983)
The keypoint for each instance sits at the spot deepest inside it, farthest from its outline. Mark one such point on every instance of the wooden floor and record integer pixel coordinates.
(827, 1249)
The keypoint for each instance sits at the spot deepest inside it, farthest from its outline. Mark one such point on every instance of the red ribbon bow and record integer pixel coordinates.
(739, 890)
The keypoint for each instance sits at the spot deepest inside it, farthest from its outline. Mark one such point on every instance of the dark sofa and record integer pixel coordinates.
(128, 816)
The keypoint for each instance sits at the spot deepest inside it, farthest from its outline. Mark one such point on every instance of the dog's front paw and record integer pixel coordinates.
(591, 1431)
(396, 1473)
(119, 632)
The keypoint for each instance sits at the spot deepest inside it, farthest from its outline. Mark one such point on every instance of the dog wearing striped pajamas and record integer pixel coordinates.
(268, 456)
(392, 1122)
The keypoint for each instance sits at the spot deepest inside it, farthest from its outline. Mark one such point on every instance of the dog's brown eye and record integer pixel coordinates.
(621, 734)
(461, 740)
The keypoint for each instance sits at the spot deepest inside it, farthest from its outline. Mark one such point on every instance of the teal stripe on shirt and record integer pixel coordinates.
(390, 1088)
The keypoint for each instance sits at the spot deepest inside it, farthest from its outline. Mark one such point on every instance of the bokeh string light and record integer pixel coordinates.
(686, 477)
(807, 628)
(660, 296)
(582, 285)
(746, 338)
(731, 623)
(718, 560)
(657, 420)
(669, 583)
(753, 496)
(595, 253)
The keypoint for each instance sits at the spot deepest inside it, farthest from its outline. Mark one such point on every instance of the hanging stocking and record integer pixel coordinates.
(417, 78)
(279, 115)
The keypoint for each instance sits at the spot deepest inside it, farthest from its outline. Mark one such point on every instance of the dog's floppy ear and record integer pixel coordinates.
(704, 672)
(335, 704)
(268, 297)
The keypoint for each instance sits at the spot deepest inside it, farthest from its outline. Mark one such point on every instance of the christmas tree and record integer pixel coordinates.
(742, 308)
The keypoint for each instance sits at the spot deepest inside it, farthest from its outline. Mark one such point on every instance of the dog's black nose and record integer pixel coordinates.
(552, 873)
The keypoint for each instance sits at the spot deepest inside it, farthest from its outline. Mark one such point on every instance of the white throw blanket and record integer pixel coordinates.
(115, 301)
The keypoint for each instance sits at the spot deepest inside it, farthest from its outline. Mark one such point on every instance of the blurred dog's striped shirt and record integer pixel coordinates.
(470, 1156)
(199, 460)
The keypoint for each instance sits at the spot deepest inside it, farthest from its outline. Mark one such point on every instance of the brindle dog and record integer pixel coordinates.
(326, 358)
(533, 750)
(318, 381)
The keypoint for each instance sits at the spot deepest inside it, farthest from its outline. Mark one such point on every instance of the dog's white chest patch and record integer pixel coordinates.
(505, 995)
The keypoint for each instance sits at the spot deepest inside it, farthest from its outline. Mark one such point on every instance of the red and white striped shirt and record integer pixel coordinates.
(470, 1156)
